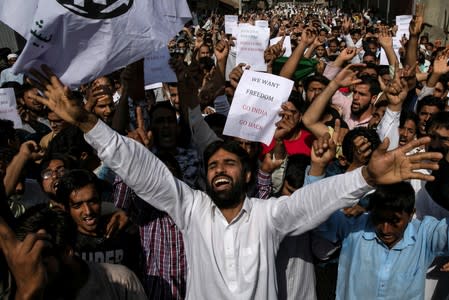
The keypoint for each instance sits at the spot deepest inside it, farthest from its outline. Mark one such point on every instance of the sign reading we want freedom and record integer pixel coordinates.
(256, 105)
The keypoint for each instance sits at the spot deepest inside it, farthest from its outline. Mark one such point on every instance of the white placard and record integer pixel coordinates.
(230, 23)
(255, 106)
(403, 23)
(8, 107)
(251, 44)
(396, 46)
(157, 69)
(261, 23)
(287, 45)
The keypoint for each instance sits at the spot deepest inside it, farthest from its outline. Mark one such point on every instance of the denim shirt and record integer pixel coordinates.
(368, 269)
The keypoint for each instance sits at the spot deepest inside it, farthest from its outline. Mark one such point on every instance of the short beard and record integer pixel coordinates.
(360, 111)
(230, 198)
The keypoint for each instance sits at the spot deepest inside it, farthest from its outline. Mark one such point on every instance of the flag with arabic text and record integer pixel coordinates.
(83, 39)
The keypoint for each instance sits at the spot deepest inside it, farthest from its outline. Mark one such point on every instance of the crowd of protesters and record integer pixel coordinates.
(117, 191)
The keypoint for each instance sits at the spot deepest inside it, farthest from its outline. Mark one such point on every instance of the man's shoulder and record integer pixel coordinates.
(108, 281)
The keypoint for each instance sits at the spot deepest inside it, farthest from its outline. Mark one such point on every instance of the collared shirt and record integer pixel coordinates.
(162, 244)
(234, 260)
(368, 269)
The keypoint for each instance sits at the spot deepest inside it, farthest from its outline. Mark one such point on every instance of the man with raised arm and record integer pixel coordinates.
(231, 240)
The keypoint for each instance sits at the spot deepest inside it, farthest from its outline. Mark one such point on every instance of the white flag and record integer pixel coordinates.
(84, 39)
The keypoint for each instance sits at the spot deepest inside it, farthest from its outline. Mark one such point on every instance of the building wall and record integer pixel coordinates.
(7, 38)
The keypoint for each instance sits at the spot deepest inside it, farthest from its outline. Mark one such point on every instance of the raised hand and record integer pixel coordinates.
(440, 65)
(58, 99)
(221, 50)
(346, 55)
(286, 125)
(274, 51)
(308, 36)
(236, 74)
(396, 166)
(385, 38)
(323, 151)
(417, 23)
(396, 90)
(141, 134)
(24, 259)
(348, 76)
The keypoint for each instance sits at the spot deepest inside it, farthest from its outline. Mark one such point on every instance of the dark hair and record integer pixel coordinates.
(397, 197)
(408, 115)
(69, 141)
(296, 170)
(296, 99)
(74, 180)
(7, 132)
(374, 86)
(439, 120)
(319, 78)
(348, 145)
(58, 224)
(430, 101)
(230, 146)
(159, 105)
(68, 161)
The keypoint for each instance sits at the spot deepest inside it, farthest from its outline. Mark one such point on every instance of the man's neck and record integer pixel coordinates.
(231, 213)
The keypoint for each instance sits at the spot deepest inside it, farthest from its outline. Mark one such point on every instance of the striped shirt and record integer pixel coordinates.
(162, 243)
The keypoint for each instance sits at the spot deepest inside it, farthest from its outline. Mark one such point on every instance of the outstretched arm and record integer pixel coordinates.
(131, 161)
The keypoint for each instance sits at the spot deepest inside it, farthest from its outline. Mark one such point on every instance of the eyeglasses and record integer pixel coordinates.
(47, 173)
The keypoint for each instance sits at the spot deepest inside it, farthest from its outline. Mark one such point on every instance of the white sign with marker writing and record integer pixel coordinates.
(251, 44)
(256, 105)
(157, 69)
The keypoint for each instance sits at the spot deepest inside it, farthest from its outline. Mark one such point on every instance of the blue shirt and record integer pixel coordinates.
(368, 269)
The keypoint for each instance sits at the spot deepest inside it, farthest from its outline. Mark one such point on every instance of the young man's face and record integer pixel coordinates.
(361, 100)
(440, 140)
(226, 182)
(104, 109)
(85, 209)
(425, 114)
(50, 176)
(407, 133)
(390, 225)
(313, 90)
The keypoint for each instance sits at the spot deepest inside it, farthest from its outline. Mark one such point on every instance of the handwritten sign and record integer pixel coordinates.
(157, 69)
(230, 23)
(261, 23)
(251, 44)
(256, 104)
(8, 108)
(403, 23)
(287, 45)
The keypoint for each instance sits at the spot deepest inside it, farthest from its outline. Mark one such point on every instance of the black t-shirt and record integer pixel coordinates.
(122, 248)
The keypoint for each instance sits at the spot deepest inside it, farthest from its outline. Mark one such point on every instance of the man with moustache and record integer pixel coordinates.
(231, 240)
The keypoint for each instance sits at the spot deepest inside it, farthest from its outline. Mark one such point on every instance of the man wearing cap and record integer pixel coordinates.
(7, 75)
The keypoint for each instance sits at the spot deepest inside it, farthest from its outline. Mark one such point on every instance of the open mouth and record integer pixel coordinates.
(90, 221)
(222, 182)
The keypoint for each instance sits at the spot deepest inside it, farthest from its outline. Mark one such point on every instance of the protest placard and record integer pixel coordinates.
(230, 23)
(261, 23)
(403, 23)
(287, 45)
(255, 106)
(8, 107)
(396, 46)
(157, 69)
(251, 44)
